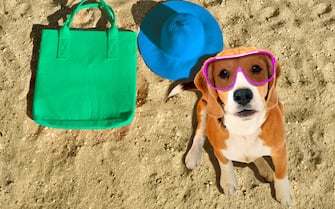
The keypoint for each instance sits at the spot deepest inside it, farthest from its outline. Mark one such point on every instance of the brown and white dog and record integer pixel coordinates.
(239, 135)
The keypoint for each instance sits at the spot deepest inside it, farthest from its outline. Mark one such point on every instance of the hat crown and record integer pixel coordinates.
(182, 36)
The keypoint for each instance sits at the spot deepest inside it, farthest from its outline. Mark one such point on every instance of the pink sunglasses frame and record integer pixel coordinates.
(240, 69)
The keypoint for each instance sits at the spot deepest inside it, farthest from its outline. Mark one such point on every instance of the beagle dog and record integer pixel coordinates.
(242, 117)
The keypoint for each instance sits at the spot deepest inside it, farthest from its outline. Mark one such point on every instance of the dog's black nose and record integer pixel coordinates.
(243, 96)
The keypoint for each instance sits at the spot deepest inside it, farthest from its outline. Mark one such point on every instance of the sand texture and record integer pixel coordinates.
(141, 165)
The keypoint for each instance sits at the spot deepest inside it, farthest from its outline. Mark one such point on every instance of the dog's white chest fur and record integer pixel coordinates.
(245, 149)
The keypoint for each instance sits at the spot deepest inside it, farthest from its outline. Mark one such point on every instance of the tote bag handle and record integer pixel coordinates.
(112, 33)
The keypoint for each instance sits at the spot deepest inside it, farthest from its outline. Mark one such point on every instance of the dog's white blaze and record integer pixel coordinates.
(245, 149)
(242, 126)
(241, 82)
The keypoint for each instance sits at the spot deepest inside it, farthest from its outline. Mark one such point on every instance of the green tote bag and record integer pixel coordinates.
(86, 79)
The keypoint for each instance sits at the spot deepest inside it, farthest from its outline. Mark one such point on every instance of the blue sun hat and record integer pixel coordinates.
(174, 35)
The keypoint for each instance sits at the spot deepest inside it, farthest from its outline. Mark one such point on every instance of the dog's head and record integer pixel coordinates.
(242, 99)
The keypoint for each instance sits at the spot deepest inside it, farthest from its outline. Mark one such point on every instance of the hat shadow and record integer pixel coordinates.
(195, 69)
(140, 9)
(36, 34)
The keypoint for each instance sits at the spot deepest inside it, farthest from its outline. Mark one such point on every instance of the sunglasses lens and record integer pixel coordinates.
(222, 71)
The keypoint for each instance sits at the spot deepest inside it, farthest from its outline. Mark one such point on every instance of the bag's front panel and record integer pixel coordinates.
(85, 90)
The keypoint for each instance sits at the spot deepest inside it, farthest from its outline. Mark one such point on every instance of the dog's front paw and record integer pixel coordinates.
(228, 179)
(229, 189)
(283, 191)
(228, 182)
(284, 199)
(193, 158)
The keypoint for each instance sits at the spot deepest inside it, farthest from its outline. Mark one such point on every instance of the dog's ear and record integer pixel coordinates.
(272, 97)
(214, 108)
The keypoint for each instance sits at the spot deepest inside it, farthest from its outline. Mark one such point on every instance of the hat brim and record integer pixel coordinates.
(176, 68)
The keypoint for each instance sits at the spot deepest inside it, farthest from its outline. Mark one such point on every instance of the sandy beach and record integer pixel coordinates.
(142, 165)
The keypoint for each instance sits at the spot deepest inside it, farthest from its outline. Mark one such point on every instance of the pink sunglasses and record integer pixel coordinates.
(223, 75)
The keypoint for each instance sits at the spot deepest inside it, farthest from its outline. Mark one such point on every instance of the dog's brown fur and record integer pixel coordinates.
(272, 134)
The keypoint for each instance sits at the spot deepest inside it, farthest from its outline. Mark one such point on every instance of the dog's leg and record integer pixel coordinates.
(227, 179)
(281, 183)
(264, 169)
(193, 156)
